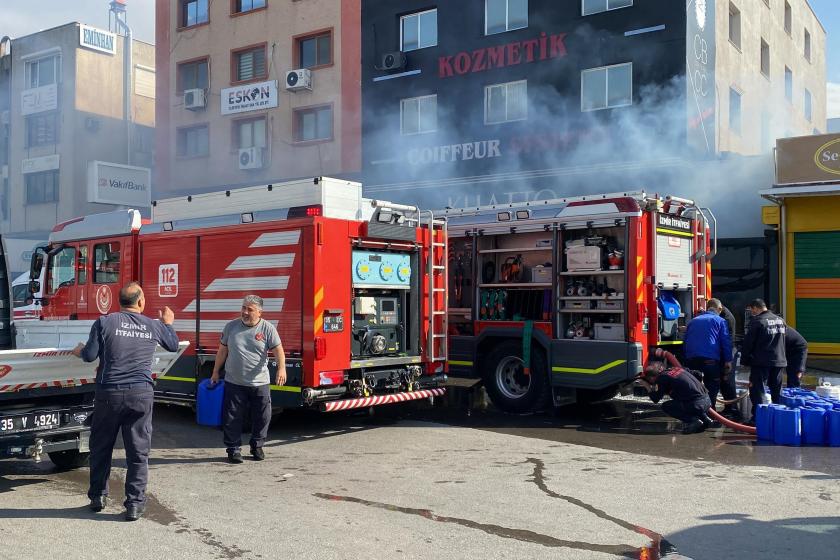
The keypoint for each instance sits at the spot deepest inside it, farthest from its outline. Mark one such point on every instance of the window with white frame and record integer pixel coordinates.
(590, 7)
(193, 141)
(504, 15)
(250, 133)
(43, 71)
(807, 107)
(506, 102)
(734, 111)
(418, 115)
(418, 31)
(606, 87)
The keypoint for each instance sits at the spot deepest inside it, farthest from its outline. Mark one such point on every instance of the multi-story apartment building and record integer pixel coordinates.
(67, 148)
(252, 91)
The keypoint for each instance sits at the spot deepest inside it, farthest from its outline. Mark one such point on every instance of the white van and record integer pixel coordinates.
(20, 293)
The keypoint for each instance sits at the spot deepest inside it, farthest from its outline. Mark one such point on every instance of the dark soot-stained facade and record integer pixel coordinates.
(474, 118)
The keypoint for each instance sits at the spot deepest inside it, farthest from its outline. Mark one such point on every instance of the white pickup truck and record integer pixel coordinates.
(46, 393)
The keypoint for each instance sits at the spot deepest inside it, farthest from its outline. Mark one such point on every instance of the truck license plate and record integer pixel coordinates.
(29, 422)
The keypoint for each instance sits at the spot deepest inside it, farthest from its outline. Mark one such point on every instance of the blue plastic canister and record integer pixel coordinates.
(813, 426)
(786, 426)
(208, 405)
(764, 422)
(834, 427)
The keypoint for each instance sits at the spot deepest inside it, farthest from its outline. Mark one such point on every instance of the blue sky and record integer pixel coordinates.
(829, 13)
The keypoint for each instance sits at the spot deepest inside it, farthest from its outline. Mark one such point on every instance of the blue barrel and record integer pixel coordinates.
(208, 403)
(764, 422)
(834, 428)
(813, 426)
(786, 426)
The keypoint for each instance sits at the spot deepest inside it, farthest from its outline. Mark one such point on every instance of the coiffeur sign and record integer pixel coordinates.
(544, 47)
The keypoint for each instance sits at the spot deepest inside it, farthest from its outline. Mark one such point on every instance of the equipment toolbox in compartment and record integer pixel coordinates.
(609, 331)
(610, 304)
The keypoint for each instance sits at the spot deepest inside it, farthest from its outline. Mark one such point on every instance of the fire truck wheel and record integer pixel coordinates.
(69, 459)
(508, 386)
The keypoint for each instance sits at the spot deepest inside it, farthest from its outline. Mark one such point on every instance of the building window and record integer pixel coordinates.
(606, 87)
(418, 115)
(42, 129)
(314, 51)
(506, 102)
(788, 19)
(734, 25)
(313, 123)
(62, 271)
(807, 107)
(504, 15)
(194, 75)
(194, 12)
(597, 6)
(240, 6)
(41, 187)
(43, 72)
(765, 58)
(788, 84)
(193, 141)
(734, 111)
(807, 46)
(249, 64)
(250, 133)
(106, 263)
(418, 31)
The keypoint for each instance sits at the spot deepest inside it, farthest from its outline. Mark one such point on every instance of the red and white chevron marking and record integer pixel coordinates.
(57, 383)
(349, 404)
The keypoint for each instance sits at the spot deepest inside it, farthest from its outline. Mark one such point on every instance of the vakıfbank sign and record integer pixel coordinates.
(808, 159)
(124, 185)
(97, 40)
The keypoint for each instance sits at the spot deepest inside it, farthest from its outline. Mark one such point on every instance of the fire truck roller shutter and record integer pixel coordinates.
(509, 385)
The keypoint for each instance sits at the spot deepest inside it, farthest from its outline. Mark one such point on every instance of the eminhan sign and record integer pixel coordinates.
(250, 97)
(544, 47)
(97, 40)
(114, 183)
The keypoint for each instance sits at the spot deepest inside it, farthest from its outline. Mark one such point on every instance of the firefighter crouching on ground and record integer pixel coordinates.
(689, 399)
(708, 347)
(244, 353)
(125, 344)
(764, 351)
(796, 354)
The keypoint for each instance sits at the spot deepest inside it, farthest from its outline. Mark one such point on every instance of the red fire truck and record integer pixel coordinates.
(562, 300)
(356, 287)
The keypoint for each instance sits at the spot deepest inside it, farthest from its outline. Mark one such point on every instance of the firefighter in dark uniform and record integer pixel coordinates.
(124, 342)
(796, 354)
(689, 399)
(764, 351)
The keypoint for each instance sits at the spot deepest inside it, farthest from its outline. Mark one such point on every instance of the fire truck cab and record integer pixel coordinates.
(560, 301)
(355, 287)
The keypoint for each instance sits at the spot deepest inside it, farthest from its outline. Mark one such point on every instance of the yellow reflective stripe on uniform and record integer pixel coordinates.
(171, 378)
(287, 388)
(460, 363)
(669, 342)
(601, 369)
(675, 232)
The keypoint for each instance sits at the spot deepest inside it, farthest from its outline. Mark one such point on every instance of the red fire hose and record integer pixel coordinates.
(660, 353)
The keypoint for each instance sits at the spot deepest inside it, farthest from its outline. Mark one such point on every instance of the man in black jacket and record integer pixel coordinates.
(764, 351)
(796, 353)
(689, 398)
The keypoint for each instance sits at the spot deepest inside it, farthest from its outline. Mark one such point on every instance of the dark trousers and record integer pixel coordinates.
(712, 370)
(239, 400)
(759, 375)
(793, 377)
(687, 411)
(126, 409)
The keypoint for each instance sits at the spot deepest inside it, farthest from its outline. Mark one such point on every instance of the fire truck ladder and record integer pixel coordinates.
(437, 268)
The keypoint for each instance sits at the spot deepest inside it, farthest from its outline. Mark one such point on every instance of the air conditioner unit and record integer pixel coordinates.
(194, 99)
(392, 61)
(251, 158)
(5, 117)
(299, 79)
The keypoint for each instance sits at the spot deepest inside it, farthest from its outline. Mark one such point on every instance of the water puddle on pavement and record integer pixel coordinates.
(658, 549)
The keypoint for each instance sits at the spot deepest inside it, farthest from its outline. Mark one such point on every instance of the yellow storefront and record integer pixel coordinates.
(806, 211)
